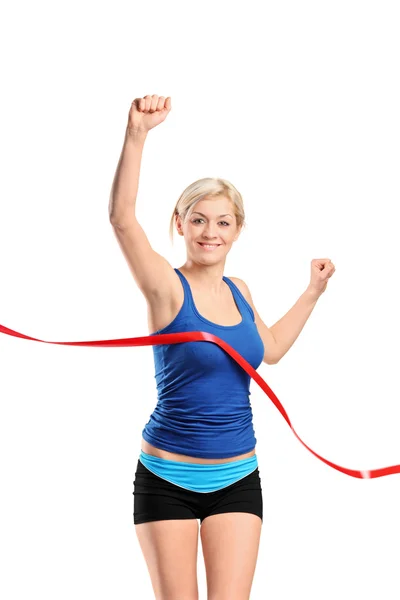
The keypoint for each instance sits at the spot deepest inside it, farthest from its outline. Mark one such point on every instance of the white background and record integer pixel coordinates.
(296, 103)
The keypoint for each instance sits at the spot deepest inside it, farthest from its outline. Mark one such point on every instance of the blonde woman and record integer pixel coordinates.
(198, 459)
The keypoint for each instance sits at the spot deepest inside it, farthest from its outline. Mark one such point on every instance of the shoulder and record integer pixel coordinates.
(243, 287)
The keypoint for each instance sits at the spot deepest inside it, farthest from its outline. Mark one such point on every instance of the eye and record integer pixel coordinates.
(199, 219)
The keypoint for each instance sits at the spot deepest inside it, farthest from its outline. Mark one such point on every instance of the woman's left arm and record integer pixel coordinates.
(281, 336)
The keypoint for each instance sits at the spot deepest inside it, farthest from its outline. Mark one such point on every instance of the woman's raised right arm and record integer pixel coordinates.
(126, 180)
(153, 274)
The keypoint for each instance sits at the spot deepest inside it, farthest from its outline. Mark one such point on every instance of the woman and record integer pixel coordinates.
(198, 459)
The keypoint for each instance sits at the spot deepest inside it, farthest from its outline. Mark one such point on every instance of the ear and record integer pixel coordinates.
(178, 223)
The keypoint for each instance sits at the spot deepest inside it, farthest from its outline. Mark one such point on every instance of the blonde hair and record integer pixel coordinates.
(210, 187)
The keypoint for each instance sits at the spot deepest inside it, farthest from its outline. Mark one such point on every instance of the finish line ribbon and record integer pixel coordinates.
(203, 336)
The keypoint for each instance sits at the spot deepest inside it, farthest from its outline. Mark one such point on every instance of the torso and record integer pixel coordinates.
(150, 449)
(221, 310)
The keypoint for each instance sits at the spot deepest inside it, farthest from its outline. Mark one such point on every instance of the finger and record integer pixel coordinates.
(168, 103)
(160, 103)
(319, 264)
(148, 102)
(154, 102)
(328, 265)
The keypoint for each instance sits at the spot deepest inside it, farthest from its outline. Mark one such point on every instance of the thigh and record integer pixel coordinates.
(230, 535)
(230, 544)
(168, 531)
(170, 551)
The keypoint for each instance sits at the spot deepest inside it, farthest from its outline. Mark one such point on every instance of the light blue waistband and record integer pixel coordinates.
(199, 477)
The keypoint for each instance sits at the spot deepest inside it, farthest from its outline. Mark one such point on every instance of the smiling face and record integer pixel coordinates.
(210, 230)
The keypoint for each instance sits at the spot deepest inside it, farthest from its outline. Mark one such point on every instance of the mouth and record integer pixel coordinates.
(208, 247)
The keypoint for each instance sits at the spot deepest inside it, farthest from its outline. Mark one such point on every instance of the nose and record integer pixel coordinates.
(209, 231)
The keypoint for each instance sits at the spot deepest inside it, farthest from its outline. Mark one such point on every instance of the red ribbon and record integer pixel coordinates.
(203, 336)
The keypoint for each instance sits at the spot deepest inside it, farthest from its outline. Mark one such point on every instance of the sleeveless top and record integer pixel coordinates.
(203, 408)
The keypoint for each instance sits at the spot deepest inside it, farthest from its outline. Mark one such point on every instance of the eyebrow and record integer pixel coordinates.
(199, 213)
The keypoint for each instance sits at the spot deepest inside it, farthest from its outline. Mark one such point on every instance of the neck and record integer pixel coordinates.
(204, 276)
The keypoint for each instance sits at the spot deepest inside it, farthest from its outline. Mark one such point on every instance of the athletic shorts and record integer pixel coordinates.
(157, 498)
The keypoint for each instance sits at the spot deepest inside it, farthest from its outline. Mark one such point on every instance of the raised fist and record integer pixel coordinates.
(147, 112)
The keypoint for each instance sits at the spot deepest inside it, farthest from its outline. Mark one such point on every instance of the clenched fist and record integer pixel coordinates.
(321, 270)
(147, 112)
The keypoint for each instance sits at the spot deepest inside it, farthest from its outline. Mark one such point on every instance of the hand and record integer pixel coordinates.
(321, 270)
(147, 112)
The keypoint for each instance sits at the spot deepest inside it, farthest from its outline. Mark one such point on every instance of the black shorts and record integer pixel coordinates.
(156, 499)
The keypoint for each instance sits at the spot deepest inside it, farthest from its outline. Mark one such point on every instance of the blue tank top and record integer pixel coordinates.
(203, 408)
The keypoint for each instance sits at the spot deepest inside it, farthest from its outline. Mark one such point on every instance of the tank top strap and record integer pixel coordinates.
(239, 296)
(188, 298)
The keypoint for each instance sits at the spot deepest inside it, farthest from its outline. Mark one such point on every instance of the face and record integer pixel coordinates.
(210, 230)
